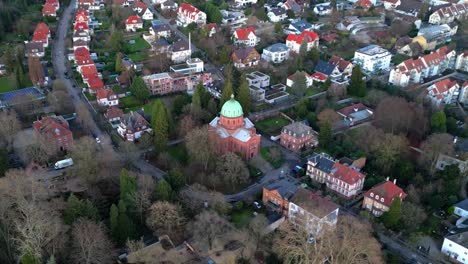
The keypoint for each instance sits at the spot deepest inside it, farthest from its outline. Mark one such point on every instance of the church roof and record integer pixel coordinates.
(232, 109)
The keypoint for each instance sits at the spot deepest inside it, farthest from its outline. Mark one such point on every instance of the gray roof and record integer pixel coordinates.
(157, 27)
(180, 45)
(462, 204)
(301, 25)
(32, 46)
(242, 53)
(298, 129)
(134, 120)
(461, 239)
(324, 162)
(278, 11)
(284, 187)
(314, 203)
(324, 67)
(278, 47)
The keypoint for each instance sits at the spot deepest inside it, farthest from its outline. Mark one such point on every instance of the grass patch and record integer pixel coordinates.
(399, 58)
(140, 44)
(311, 91)
(273, 155)
(272, 125)
(261, 107)
(91, 97)
(178, 152)
(136, 57)
(7, 84)
(118, 90)
(242, 218)
(130, 102)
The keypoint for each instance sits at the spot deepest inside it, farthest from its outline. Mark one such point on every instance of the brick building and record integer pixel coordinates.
(231, 132)
(379, 198)
(297, 136)
(276, 196)
(55, 132)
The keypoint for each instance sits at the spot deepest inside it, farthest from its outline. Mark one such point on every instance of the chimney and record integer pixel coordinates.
(394, 181)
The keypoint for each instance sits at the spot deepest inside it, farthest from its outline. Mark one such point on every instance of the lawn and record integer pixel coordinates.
(90, 97)
(130, 102)
(7, 84)
(272, 125)
(273, 155)
(140, 44)
(312, 91)
(136, 57)
(242, 218)
(398, 58)
(178, 152)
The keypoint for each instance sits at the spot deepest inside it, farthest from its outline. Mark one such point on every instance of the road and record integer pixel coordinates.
(61, 66)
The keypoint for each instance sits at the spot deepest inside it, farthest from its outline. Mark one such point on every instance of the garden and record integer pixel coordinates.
(272, 126)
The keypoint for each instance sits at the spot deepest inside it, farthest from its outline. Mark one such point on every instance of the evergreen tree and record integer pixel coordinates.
(325, 135)
(176, 179)
(118, 62)
(114, 221)
(163, 190)
(171, 125)
(314, 55)
(213, 13)
(357, 86)
(139, 89)
(227, 92)
(126, 228)
(392, 217)
(224, 55)
(29, 258)
(278, 28)
(200, 96)
(299, 86)
(77, 208)
(128, 185)
(244, 95)
(160, 125)
(212, 106)
(180, 101)
(439, 122)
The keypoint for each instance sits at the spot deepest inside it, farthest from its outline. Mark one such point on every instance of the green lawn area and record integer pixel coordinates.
(7, 84)
(140, 44)
(136, 57)
(90, 97)
(275, 157)
(178, 152)
(272, 125)
(398, 58)
(130, 101)
(312, 91)
(242, 218)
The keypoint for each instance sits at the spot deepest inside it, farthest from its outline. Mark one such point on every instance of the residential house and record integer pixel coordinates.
(146, 14)
(276, 93)
(41, 34)
(245, 57)
(343, 66)
(276, 195)
(132, 126)
(290, 79)
(356, 114)
(258, 79)
(413, 71)
(276, 53)
(456, 247)
(180, 51)
(212, 29)
(159, 83)
(312, 212)
(159, 29)
(49, 10)
(461, 209)
(435, 35)
(277, 15)
(113, 115)
(298, 26)
(34, 49)
(379, 198)
(54, 3)
(139, 6)
(291, 5)
(445, 91)
(373, 58)
(94, 83)
(82, 15)
(245, 36)
(411, 47)
(323, 9)
(310, 38)
(233, 19)
(327, 69)
(344, 180)
(81, 35)
(81, 26)
(364, 4)
(298, 136)
(448, 14)
(133, 23)
(106, 97)
(243, 3)
(55, 132)
(461, 63)
(169, 5)
(463, 97)
(188, 14)
(409, 8)
(391, 4)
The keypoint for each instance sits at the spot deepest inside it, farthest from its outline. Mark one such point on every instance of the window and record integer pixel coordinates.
(371, 194)
(377, 197)
(382, 199)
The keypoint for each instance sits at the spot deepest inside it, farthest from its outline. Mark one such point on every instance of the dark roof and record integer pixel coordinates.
(297, 129)
(30, 46)
(180, 45)
(314, 203)
(284, 187)
(278, 11)
(242, 53)
(161, 27)
(410, 6)
(324, 67)
(323, 161)
(133, 120)
(462, 204)
(462, 145)
(30, 92)
(461, 239)
(301, 25)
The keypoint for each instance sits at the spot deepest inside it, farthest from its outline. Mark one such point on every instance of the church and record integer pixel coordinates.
(231, 132)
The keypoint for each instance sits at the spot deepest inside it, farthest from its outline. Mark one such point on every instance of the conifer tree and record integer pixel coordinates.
(391, 218)
(128, 185)
(163, 190)
(244, 95)
(139, 89)
(114, 221)
(325, 135)
(357, 86)
(118, 62)
(160, 125)
(227, 92)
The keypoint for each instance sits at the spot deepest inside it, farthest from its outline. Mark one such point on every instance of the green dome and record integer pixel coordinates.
(232, 109)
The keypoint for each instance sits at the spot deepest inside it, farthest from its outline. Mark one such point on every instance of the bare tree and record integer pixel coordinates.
(61, 102)
(10, 126)
(433, 146)
(84, 116)
(209, 227)
(164, 217)
(141, 199)
(90, 243)
(328, 115)
(394, 115)
(186, 125)
(84, 153)
(257, 229)
(199, 146)
(36, 72)
(412, 216)
(232, 169)
(195, 196)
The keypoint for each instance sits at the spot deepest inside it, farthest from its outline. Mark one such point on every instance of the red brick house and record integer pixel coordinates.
(379, 198)
(245, 57)
(297, 136)
(55, 132)
(277, 195)
(231, 132)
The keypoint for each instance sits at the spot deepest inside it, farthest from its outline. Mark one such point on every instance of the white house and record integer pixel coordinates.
(277, 15)
(132, 126)
(298, 26)
(456, 247)
(312, 212)
(188, 14)
(276, 53)
(448, 14)
(373, 58)
(146, 14)
(106, 97)
(290, 79)
(323, 9)
(461, 209)
(233, 19)
(245, 2)
(245, 36)
(461, 63)
(133, 23)
(180, 51)
(391, 4)
(169, 5)
(310, 38)
(445, 91)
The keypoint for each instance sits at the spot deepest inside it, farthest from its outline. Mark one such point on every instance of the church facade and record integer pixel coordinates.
(231, 132)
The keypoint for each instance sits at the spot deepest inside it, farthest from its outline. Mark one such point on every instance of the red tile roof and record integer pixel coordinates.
(89, 71)
(387, 190)
(113, 112)
(48, 10)
(41, 33)
(104, 94)
(81, 26)
(352, 108)
(141, 4)
(339, 62)
(319, 76)
(365, 4)
(443, 86)
(346, 174)
(54, 127)
(308, 36)
(211, 26)
(133, 20)
(243, 33)
(392, 1)
(95, 83)
(188, 10)
(291, 77)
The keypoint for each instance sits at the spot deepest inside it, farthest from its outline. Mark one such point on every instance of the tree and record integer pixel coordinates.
(212, 106)
(227, 92)
(257, 228)
(118, 62)
(199, 146)
(388, 150)
(278, 28)
(61, 102)
(325, 135)
(232, 170)
(164, 218)
(328, 115)
(200, 96)
(357, 86)
(114, 221)
(117, 41)
(36, 71)
(77, 209)
(314, 54)
(209, 227)
(10, 126)
(261, 14)
(394, 115)
(139, 89)
(299, 86)
(90, 243)
(84, 155)
(122, 227)
(84, 117)
(176, 179)
(290, 13)
(224, 56)
(163, 191)
(128, 185)
(243, 95)
(391, 218)
(213, 13)
(412, 216)
(300, 108)
(439, 122)
(160, 125)
(179, 102)
(434, 145)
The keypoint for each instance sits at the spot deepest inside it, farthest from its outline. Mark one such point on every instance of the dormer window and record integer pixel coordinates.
(377, 197)
(371, 194)
(382, 199)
